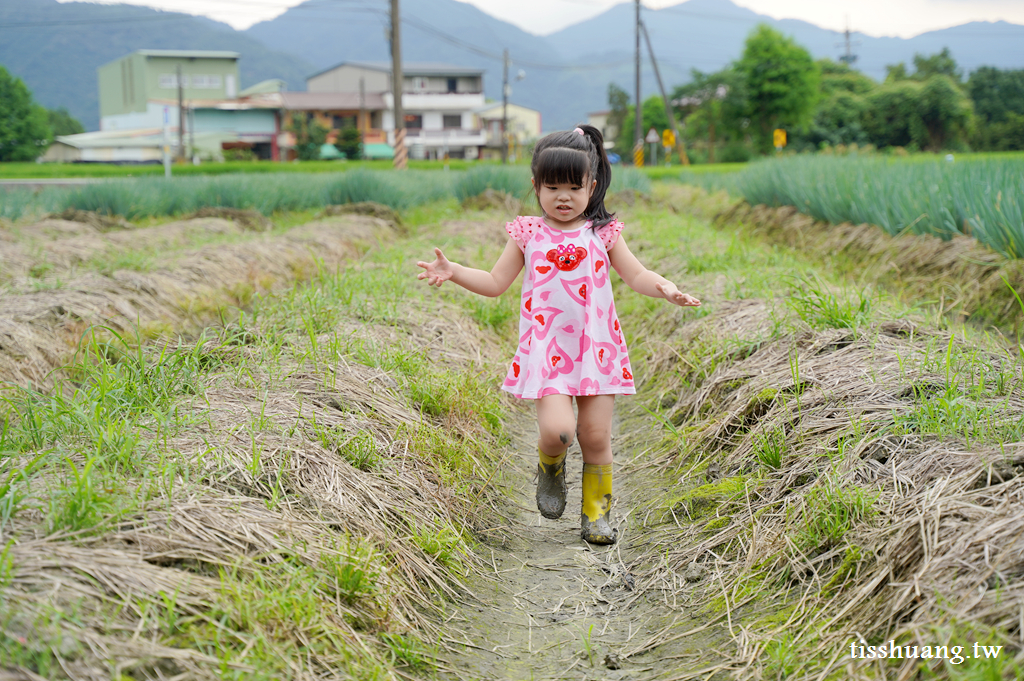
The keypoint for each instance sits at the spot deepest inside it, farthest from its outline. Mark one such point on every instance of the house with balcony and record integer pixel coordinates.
(524, 126)
(439, 102)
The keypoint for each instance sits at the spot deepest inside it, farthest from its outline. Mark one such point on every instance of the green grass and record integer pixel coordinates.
(95, 452)
(274, 193)
(978, 196)
(103, 170)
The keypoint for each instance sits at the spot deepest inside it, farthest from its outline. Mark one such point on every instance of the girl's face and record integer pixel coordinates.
(564, 203)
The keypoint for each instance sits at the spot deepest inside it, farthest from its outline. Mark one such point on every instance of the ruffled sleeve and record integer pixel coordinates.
(522, 230)
(610, 233)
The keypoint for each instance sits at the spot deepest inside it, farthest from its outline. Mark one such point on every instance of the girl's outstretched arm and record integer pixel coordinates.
(643, 280)
(490, 284)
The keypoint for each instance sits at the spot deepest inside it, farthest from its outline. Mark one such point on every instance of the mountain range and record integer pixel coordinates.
(56, 47)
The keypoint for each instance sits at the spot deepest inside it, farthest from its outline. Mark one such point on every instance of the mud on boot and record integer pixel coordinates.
(595, 525)
(551, 487)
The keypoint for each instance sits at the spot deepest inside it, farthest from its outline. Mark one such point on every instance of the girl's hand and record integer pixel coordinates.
(437, 272)
(677, 297)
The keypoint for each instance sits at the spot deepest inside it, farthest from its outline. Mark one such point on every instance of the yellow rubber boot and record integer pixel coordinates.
(551, 485)
(595, 520)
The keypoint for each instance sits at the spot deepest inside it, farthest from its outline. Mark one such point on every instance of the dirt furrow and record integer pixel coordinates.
(553, 606)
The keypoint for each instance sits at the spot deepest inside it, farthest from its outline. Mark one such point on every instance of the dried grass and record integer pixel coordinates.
(940, 558)
(40, 331)
(967, 278)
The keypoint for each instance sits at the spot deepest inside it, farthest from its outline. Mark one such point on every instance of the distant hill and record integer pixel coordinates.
(55, 48)
(708, 34)
(567, 72)
(447, 31)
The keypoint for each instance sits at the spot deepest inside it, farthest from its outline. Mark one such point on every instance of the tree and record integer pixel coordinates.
(838, 115)
(941, 64)
(946, 112)
(653, 116)
(713, 106)
(310, 135)
(350, 143)
(934, 114)
(998, 98)
(996, 93)
(938, 64)
(62, 123)
(24, 130)
(781, 80)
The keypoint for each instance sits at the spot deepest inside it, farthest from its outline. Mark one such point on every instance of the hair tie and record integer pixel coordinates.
(579, 130)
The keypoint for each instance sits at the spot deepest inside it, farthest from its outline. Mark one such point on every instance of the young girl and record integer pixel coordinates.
(567, 307)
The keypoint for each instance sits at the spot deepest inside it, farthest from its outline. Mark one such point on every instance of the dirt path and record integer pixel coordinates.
(555, 607)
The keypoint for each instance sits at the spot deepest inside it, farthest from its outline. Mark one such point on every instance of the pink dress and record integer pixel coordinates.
(567, 310)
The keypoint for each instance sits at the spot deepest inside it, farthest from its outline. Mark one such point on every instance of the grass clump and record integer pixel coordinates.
(822, 309)
(829, 512)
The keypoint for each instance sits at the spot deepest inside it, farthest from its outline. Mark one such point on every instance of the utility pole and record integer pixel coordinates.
(638, 128)
(849, 57)
(683, 158)
(504, 109)
(401, 155)
(362, 125)
(181, 115)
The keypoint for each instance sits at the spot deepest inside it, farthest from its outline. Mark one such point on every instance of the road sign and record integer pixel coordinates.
(638, 156)
(652, 136)
(668, 138)
(780, 138)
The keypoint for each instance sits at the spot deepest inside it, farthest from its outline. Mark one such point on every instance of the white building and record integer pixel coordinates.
(439, 102)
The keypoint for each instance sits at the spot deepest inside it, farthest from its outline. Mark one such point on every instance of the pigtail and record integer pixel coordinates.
(596, 212)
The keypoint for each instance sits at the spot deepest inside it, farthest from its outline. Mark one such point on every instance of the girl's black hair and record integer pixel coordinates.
(571, 158)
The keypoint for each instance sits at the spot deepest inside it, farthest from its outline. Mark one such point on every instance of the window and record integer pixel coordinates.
(413, 121)
(169, 81)
(210, 82)
(452, 121)
(419, 84)
(342, 122)
(453, 86)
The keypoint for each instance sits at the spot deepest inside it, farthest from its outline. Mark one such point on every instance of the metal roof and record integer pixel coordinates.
(186, 54)
(327, 101)
(409, 69)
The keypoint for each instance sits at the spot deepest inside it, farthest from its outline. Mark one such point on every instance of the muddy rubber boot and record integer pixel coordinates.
(551, 485)
(595, 519)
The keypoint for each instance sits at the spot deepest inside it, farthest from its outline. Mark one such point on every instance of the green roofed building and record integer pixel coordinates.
(140, 93)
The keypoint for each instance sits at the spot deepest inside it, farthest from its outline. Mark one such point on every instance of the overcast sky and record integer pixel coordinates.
(904, 18)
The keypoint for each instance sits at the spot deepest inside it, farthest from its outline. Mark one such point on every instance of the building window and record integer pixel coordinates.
(413, 121)
(342, 122)
(209, 82)
(452, 121)
(419, 84)
(169, 81)
(453, 86)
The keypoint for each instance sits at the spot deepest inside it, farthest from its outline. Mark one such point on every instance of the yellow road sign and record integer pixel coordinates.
(668, 138)
(780, 138)
(638, 157)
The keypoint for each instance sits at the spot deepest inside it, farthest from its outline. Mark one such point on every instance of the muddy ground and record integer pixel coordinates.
(556, 607)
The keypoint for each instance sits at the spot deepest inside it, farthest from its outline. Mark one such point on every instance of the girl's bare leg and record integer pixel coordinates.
(557, 424)
(594, 428)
